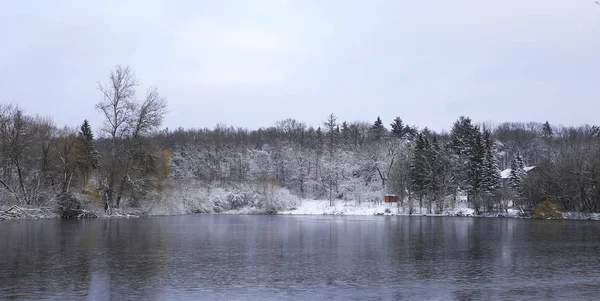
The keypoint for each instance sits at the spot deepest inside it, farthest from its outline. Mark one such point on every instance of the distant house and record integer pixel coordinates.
(506, 173)
(390, 198)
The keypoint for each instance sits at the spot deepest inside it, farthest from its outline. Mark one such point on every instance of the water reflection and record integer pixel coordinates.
(287, 257)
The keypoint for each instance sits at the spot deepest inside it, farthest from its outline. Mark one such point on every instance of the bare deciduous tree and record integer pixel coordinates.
(128, 123)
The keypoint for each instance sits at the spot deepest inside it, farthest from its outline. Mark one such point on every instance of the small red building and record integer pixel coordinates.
(390, 198)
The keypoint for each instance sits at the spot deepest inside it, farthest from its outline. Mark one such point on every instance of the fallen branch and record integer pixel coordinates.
(78, 214)
(16, 212)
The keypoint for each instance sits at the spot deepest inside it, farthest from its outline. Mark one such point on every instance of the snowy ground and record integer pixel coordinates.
(581, 215)
(320, 207)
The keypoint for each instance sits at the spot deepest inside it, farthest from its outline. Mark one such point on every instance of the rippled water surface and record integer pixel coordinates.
(231, 257)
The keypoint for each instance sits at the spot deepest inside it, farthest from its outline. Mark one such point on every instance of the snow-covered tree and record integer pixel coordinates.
(420, 168)
(475, 174)
(91, 156)
(378, 130)
(517, 174)
(491, 172)
(547, 131)
(127, 125)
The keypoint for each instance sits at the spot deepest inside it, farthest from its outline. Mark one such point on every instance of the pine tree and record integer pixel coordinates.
(86, 131)
(332, 133)
(463, 136)
(90, 156)
(417, 172)
(320, 140)
(465, 143)
(491, 171)
(516, 177)
(411, 131)
(422, 168)
(345, 133)
(398, 128)
(595, 131)
(475, 171)
(435, 173)
(442, 174)
(378, 130)
(547, 130)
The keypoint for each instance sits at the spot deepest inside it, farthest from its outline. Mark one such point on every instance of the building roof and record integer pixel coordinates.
(505, 173)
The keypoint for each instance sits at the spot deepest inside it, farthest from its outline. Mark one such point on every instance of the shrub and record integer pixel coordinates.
(547, 210)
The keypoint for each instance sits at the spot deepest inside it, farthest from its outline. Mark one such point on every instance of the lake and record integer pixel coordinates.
(250, 257)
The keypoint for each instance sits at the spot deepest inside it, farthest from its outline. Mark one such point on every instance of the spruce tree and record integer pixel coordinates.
(435, 173)
(332, 133)
(398, 128)
(463, 136)
(411, 131)
(320, 141)
(547, 130)
(418, 168)
(378, 130)
(441, 173)
(466, 144)
(86, 131)
(89, 154)
(345, 133)
(475, 171)
(516, 177)
(491, 171)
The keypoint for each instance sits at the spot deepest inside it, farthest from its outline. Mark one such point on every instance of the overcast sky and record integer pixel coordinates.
(251, 63)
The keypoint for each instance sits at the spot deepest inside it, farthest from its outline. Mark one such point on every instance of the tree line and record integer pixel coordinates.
(133, 160)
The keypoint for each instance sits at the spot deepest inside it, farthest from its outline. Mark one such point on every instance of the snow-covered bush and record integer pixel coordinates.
(197, 197)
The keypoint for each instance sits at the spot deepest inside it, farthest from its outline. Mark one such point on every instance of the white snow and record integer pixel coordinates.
(505, 173)
(321, 207)
(581, 215)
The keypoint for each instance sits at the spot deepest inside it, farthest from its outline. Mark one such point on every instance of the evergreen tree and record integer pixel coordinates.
(595, 131)
(332, 133)
(422, 171)
(442, 173)
(475, 172)
(320, 141)
(547, 130)
(398, 128)
(463, 136)
(465, 143)
(435, 173)
(517, 174)
(411, 131)
(345, 133)
(378, 130)
(491, 171)
(90, 156)
(476, 158)
(86, 131)
(417, 168)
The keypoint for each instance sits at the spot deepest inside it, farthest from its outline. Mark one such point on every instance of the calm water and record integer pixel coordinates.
(221, 257)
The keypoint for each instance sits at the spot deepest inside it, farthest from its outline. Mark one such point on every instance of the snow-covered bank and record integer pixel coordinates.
(320, 207)
(307, 207)
(18, 212)
(297, 207)
(581, 216)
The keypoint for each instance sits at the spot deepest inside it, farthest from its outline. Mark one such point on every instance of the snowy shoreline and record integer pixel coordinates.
(349, 208)
(322, 207)
(342, 208)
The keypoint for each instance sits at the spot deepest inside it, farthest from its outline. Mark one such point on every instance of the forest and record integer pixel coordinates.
(132, 163)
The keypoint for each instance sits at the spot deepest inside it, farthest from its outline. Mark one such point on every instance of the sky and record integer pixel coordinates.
(252, 63)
